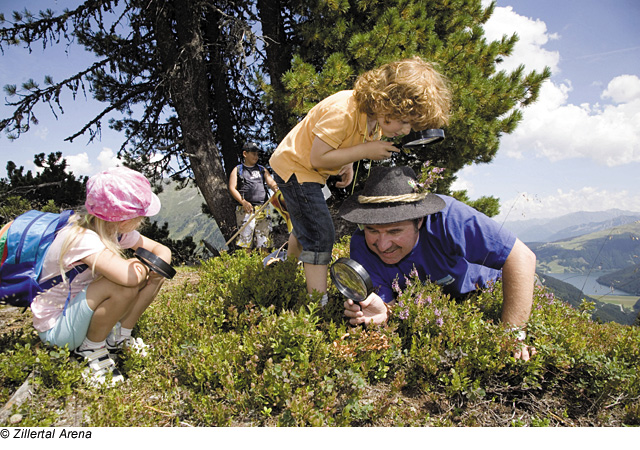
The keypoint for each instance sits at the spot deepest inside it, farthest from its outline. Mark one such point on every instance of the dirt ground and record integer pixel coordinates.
(12, 318)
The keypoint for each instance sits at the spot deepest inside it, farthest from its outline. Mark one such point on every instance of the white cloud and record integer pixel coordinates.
(528, 206)
(79, 164)
(623, 89)
(532, 36)
(463, 182)
(108, 159)
(608, 134)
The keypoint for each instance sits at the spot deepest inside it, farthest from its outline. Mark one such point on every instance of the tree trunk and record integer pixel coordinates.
(278, 61)
(220, 97)
(182, 57)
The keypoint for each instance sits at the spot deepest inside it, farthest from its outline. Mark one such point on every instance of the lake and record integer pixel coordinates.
(588, 284)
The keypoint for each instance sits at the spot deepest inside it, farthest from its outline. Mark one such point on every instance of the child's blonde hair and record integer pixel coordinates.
(79, 224)
(410, 89)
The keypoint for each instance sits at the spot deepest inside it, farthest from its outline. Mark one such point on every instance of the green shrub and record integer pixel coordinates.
(235, 344)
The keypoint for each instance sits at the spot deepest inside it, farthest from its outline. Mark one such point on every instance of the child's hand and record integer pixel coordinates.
(379, 150)
(347, 176)
(248, 207)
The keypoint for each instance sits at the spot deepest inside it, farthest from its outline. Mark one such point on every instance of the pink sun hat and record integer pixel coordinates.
(120, 193)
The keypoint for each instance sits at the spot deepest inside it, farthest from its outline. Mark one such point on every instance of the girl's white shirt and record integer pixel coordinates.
(48, 306)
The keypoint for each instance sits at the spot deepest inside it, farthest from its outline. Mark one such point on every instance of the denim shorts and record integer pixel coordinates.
(72, 326)
(311, 219)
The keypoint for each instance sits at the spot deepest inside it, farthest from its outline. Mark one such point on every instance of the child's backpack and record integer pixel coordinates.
(26, 241)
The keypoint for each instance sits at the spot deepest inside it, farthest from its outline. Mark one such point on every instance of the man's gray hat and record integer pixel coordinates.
(389, 196)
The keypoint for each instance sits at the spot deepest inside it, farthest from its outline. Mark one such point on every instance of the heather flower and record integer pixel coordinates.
(404, 314)
(439, 322)
(396, 286)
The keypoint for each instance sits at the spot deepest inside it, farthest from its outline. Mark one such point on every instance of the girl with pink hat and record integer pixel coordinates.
(95, 311)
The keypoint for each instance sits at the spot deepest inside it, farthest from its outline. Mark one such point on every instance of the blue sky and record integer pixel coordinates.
(577, 149)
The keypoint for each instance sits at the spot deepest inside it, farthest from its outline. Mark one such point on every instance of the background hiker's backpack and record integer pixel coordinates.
(28, 238)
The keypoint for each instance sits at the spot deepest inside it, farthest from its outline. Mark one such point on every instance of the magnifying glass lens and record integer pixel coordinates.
(351, 279)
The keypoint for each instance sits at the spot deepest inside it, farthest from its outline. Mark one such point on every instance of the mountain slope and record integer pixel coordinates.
(627, 279)
(182, 210)
(606, 250)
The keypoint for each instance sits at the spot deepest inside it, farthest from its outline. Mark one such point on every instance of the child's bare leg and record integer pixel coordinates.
(110, 302)
(141, 303)
(316, 276)
(294, 248)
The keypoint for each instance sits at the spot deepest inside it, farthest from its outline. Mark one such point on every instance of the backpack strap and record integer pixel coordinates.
(70, 275)
(3, 242)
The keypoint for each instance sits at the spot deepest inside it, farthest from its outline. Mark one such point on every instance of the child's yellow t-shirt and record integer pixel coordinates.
(337, 121)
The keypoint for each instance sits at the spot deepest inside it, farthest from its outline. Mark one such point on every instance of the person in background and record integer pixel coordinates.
(249, 185)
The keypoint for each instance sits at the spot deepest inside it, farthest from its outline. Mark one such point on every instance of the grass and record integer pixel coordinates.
(234, 344)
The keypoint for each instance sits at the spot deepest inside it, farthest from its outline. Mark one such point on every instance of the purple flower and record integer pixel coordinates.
(439, 322)
(404, 314)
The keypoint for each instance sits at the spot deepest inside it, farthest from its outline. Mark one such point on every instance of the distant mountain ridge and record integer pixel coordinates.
(569, 225)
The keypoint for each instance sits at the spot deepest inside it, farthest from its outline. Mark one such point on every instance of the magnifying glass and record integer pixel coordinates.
(417, 139)
(351, 279)
(155, 263)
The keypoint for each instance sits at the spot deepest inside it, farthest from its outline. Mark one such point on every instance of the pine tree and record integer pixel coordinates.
(187, 82)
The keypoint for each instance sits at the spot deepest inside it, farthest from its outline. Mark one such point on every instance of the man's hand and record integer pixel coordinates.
(370, 310)
(524, 352)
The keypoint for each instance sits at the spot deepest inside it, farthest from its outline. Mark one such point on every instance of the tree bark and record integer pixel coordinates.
(278, 61)
(182, 57)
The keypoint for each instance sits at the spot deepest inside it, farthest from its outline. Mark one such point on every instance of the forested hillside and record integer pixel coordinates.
(627, 280)
(182, 211)
(607, 250)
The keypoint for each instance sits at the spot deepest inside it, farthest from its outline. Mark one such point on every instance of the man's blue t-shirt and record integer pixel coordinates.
(458, 248)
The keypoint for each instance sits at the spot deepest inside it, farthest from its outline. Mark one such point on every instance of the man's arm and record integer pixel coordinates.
(518, 275)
